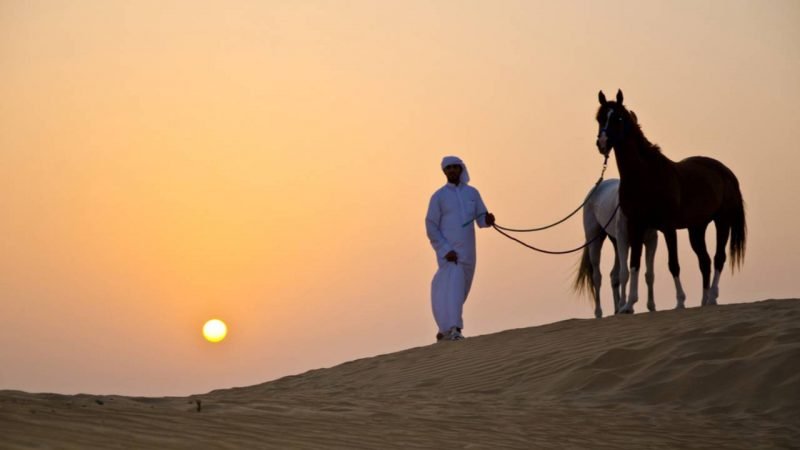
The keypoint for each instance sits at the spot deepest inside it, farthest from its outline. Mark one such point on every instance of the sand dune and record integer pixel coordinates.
(716, 377)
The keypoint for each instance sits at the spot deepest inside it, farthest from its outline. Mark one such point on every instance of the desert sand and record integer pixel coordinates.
(713, 377)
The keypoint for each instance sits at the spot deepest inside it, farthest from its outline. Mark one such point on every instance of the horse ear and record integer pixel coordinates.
(634, 118)
(619, 96)
(602, 98)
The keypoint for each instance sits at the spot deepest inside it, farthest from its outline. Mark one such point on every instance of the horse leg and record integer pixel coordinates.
(650, 244)
(615, 277)
(671, 238)
(623, 248)
(595, 249)
(636, 236)
(697, 237)
(723, 232)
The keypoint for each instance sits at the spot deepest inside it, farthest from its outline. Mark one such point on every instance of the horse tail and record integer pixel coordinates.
(738, 230)
(584, 281)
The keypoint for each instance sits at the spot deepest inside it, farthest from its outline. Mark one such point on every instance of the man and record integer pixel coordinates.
(452, 212)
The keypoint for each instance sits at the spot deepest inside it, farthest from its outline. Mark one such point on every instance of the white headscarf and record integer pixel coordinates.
(449, 160)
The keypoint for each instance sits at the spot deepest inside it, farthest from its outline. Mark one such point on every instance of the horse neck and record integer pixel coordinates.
(639, 161)
(629, 161)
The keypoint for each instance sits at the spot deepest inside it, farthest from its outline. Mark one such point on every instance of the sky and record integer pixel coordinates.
(269, 163)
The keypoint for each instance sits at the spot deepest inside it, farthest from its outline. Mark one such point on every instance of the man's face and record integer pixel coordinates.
(453, 173)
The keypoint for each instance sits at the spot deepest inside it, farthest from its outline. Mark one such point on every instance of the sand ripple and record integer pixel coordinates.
(721, 377)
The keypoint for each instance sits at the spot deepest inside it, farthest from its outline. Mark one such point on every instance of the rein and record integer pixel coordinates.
(502, 230)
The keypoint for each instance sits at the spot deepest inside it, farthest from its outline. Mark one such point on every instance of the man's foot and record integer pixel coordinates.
(455, 334)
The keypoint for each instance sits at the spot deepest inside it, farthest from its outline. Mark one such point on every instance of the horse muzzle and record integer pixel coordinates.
(603, 144)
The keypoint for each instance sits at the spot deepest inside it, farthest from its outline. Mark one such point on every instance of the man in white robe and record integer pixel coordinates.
(452, 213)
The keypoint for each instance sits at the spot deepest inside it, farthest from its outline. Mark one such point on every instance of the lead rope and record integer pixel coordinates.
(501, 230)
(528, 230)
(562, 252)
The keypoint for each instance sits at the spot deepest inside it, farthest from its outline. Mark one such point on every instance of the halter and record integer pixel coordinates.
(608, 120)
(605, 128)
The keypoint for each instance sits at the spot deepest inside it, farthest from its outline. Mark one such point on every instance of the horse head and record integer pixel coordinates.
(613, 120)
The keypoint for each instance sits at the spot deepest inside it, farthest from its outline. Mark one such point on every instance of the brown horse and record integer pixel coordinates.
(656, 192)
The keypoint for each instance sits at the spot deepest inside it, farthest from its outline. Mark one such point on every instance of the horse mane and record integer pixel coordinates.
(648, 149)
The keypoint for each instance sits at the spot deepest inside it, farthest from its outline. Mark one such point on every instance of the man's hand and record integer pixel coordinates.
(489, 219)
(452, 256)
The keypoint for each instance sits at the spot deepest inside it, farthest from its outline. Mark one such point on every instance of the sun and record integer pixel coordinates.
(215, 330)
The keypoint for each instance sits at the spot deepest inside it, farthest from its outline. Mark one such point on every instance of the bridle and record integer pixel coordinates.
(603, 133)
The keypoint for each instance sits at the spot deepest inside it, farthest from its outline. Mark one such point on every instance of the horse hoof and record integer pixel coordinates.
(680, 306)
(651, 308)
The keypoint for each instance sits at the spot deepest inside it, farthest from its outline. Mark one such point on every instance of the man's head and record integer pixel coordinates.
(455, 170)
(453, 173)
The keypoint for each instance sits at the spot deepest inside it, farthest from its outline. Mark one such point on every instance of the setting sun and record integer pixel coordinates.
(215, 330)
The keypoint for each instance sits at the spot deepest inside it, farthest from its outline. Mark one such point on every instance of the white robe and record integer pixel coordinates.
(452, 213)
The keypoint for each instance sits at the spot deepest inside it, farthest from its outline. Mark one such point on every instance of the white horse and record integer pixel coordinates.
(597, 212)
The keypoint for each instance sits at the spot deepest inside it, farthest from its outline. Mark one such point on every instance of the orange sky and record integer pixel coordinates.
(270, 163)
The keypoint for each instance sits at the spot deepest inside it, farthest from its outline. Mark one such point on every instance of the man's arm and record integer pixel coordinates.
(485, 218)
(432, 220)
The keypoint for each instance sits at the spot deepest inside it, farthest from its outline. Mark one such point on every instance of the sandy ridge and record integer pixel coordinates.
(721, 377)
